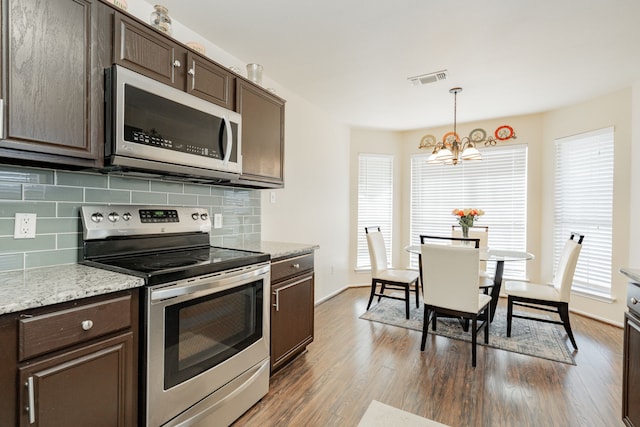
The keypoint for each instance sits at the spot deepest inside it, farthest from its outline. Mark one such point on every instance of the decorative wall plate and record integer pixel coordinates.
(504, 132)
(450, 137)
(427, 141)
(477, 135)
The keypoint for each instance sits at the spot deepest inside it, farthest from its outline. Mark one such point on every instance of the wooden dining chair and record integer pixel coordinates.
(552, 298)
(388, 278)
(450, 279)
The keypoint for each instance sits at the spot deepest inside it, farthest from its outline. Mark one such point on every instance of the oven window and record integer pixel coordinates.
(204, 332)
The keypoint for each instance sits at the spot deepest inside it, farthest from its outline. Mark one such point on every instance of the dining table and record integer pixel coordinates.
(499, 256)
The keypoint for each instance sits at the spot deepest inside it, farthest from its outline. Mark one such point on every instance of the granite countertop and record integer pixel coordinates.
(278, 249)
(631, 273)
(38, 287)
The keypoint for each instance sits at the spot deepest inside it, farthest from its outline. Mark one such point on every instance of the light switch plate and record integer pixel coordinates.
(25, 226)
(273, 197)
(217, 220)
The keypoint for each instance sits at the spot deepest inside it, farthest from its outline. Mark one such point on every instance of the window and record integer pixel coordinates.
(497, 184)
(375, 202)
(583, 202)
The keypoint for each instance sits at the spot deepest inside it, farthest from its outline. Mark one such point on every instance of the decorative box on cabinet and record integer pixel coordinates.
(140, 48)
(71, 364)
(262, 137)
(292, 308)
(51, 83)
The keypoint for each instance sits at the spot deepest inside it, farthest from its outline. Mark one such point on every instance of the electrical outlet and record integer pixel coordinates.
(217, 220)
(273, 197)
(25, 226)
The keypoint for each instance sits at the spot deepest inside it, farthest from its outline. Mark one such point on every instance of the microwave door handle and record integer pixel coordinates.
(227, 154)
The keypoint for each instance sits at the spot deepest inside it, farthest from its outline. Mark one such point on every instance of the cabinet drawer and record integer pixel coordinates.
(289, 267)
(48, 332)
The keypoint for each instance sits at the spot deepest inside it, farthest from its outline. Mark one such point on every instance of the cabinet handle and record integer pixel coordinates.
(277, 304)
(87, 324)
(1, 118)
(191, 72)
(296, 266)
(31, 408)
(177, 64)
(634, 301)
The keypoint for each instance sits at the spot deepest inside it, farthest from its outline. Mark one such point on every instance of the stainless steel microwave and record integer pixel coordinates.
(155, 129)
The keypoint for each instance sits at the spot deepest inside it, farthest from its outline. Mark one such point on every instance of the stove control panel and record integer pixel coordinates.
(105, 221)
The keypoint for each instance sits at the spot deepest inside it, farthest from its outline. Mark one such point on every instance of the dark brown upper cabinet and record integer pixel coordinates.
(262, 137)
(51, 83)
(142, 49)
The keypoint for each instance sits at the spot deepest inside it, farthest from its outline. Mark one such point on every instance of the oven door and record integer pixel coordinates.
(202, 334)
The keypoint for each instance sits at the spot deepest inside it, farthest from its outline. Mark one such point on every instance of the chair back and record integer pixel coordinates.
(377, 251)
(563, 278)
(475, 232)
(450, 276)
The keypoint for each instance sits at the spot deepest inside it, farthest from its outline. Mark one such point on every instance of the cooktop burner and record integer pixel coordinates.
(160, 244)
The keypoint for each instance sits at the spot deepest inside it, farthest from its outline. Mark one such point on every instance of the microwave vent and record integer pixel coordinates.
(428, 78)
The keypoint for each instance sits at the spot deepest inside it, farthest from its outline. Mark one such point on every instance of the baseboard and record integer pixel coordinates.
(339, 291)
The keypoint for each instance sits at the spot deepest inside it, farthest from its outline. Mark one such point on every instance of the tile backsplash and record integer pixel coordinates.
(55, 197)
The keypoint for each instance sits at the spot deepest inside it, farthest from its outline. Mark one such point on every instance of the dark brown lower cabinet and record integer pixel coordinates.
(631, 371)
(71, 364)
(90, 386)
(292, 308)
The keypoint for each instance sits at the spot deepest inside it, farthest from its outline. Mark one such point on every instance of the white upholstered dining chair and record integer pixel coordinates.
(450, 279)
(388, 278)
(552, 298)
(480, 232)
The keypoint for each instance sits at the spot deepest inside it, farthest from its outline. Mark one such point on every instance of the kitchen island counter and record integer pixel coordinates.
(38, 287)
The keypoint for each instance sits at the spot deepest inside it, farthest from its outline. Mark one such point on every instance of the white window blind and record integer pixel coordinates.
(497, 184)
(583, 202)
(375, 202)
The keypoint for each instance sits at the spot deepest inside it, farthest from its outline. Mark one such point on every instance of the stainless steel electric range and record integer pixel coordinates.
(205, 323)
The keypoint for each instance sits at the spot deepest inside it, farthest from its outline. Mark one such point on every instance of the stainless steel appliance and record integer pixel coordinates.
(154, 129)
(205, 330)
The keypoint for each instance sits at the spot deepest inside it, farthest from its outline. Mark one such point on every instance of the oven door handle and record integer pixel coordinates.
(220, 283)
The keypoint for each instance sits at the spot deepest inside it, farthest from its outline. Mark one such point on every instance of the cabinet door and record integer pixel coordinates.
(91, 386)
(141, 49)
(210, 82)
(50, 81)
(631, 372)
(262, 136)
(292, 314)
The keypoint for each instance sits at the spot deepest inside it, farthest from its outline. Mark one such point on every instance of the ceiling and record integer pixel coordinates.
(352, 58)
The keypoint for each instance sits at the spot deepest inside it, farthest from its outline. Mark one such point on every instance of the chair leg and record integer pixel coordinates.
(486, 324)
(381, 291)
(509, 314)
(425, 328)
(474, 339)
(434, 320)
(417, 293)
(406, 301)
(563, 310)
(373, 291)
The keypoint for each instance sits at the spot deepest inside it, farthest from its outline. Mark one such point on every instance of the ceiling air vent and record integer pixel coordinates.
(428, 78)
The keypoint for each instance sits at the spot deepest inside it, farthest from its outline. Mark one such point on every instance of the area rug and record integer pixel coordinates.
(381, 415)
(539, 339)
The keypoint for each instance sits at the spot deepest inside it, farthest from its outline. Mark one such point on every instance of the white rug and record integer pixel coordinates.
(381, 415)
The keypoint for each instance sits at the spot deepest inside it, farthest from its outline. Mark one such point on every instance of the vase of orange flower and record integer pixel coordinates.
(466, 217)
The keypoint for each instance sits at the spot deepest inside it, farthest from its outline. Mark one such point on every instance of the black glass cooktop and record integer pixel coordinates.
(167, 266)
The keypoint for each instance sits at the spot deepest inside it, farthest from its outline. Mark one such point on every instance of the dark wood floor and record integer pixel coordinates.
(353, 361)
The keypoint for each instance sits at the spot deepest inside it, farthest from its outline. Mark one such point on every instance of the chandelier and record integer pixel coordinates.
(452, 149)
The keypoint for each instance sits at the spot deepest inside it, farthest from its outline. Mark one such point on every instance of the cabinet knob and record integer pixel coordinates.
(87, 324)
(296, 266)
(634, 301)
(191, 72)
(177, 64)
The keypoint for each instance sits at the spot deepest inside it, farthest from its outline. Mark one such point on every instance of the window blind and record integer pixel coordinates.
(497, 184)
(583, 202)
(375, 202)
